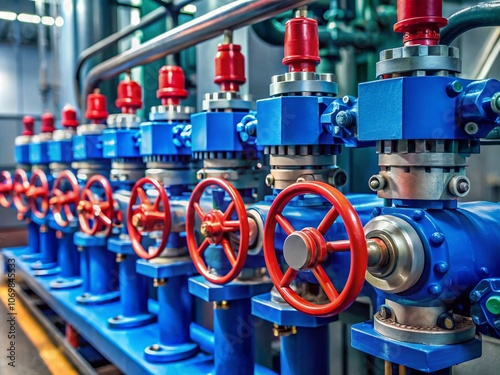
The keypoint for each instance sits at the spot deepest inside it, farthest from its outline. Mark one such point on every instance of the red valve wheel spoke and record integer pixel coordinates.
(338, 246)
(199, 211)
(204, 245)
(216, 227)
(288, 277)
(146, 217)
(328, 221)
(285, 224)
(315, 249)
(228, 250)
(61, 201)
(325, 282)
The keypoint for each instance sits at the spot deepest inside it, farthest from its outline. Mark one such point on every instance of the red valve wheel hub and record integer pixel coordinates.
(146, 217)
(215, 227)
(20, 186)
(307, 249)
(95, 215)
(129, 96)
(5, 189)
(65, 193)
(38, 194)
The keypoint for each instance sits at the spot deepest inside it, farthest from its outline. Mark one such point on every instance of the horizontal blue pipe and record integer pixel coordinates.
(203, 337)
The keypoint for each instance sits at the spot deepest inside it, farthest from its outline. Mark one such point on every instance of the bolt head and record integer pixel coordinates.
(471, 128)
(385, 312)
(346, 99)
(434, 289)
(200, 175)
(437, 238)
(418, 215)
(155, 348)
(269, 180)
(441, 267)
(454, 88)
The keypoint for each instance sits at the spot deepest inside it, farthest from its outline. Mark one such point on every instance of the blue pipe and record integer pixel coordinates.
(234, 339)
(84, 268)
(203, 337)
(48, 247)
(305, 352)
(133, 288)
(153, 306)
(176, 309)
(68, 256)
(101, 270)
(33, 238)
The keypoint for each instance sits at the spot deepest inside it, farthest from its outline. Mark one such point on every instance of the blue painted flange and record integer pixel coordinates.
(98, 299)
(66, 283)
(163, 353)
(285, 315)
(426, 358)
(123, 322)
(235, 290)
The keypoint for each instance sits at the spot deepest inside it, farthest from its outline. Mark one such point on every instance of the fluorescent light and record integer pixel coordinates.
(29, 18)
(190, 9)
(47, 21)
(59, 21)
(9, 16)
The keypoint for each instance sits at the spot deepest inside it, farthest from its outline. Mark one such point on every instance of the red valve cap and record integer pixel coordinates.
(129, 96)
(69, 119)
(301, 45)
(96, 107)
(29, 125)
(47, 123)
(171, 85)
(229, 67)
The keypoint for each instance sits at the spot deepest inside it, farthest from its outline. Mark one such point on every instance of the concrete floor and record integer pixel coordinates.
(28, 361)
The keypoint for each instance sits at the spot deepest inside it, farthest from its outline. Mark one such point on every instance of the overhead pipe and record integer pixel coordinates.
(231, 16)
(112, 39)
(478, 15)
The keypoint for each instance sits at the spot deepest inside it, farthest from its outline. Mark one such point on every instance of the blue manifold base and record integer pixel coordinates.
(425, 358)
(125, 347)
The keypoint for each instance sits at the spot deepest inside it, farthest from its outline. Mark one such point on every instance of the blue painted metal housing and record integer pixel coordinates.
(293, 120)
(484, 310)
(460, 250)
(208, 128)
(22, 154)
(164, 138)
(425, 358)
(61, 151)
(404, 108)
(121, 143)
(39, 152)
(87, 147)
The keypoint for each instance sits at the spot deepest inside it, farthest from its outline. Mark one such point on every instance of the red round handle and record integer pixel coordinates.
(307, 249)
(95, 215)
(215, 227)
(20, 186)
(39, 189)
(62, 198)
(144, 217)
(5, 189)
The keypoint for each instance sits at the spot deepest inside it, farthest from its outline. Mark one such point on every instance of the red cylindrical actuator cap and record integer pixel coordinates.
(129, 96)
(171, 85)
(96, 107)
(301, 45)
(229, 67)
(29, 125)
(69, 119)
(420, 21)
(47, 123)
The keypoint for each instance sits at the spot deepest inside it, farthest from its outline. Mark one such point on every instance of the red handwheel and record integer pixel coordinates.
(215, 227)
(307, 249)
(65, 192)
(146, 217)
(96, 215)
(38, 194)
(20, 186)
(5, 189)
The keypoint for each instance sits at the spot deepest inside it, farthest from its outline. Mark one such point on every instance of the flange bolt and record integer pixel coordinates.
(377, 182)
